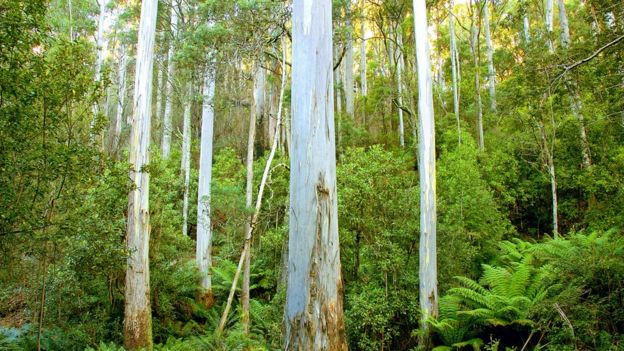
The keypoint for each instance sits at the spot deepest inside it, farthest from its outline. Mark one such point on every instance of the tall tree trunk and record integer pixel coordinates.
(563, 23)
(474, 46)
(363, 81)
(167, 125)
(121, 96)
(548, 154)
(428, 271)
(99, 63)
(490, 57)
(399, 79)
(525, 22)
(549, 24)
(186, 155)
(160, 61)
(314, 317)
(348, 66)
(454, 68)
(203, 252)
(260, 102)
(137, 314)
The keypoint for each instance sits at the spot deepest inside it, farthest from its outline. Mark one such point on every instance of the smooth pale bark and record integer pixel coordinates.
(490, 57)
(399, 79)
(137, 314)
(167, 128)
(454, 69)
(474, 46)
(338, 84)
(161, 79)
(121, 95)
(185, 165)
(548, 152)
(563, 23)
(363, 82)
(245, 254)
(314, 317)
(428, 271)
(99, 63)
(549, 24)
(525, 22)
(348, 66)
(203, 253)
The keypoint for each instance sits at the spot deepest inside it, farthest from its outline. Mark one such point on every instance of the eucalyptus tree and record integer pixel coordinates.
(348, 65)
(428, 271)
(399, 80)
(185, 165)
(490, 56)
(121, 94)
(137, 314)
(314, 312)
(474, 47)
(454, 56)
(167, 126)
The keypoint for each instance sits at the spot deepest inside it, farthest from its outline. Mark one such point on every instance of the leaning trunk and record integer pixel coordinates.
(137, 314)
(314, 317)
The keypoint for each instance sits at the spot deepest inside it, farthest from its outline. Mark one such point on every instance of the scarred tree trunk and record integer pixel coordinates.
(167, 129)
(314, 314)
(428, 271)
(203, 252)
(137, 314)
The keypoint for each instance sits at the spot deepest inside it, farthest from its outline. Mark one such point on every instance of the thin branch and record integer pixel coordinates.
(590, 57)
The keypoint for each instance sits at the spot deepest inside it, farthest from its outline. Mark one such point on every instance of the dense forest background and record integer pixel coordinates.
(529, 122)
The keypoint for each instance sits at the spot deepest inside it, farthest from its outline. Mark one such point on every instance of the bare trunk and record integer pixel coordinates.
(490, 57)
(99, 43)
(563, 23)
(550, 165)
(526, 28)
(454, 69)
(121, 96)
(363, 81)
(160, 59)
(313, 315)
(428, 272)
(167, 128)
(348, 67)
(474, 45)
(549, 24)
(399, 79)
(186, 155)
(259, 102)
(203, 252)
(137, 314)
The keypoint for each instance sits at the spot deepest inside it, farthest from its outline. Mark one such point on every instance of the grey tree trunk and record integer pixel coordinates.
(526, 28)
(167, 128)
(121, 96)
(137, 313)
(186, 155)
(314, 314)
(399, 79)
(363, 81)
(454, 68)
(474, 46)
(99, 63)
(260, 99)
(203, 253)
(160, 59)
(548, 155)
(563, 23)
(428, 271)
(549, 24)
(490, 57)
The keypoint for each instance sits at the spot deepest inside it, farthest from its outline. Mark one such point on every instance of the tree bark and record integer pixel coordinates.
(186, 155)
(137, 314)
(563, 23)
(121, 96)
(490, 57)
(525, 22)
(203, 253)
(167, 128)
(427, 173)
(549, 24)
(474, 46)
(314, 314)
(454, 69)
(348, 66)
(399, 79)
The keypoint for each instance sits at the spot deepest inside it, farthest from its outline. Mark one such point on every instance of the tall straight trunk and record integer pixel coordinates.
(563, 23)
(549, 24)
(428, 271)
(550, 166)
(203, 253)
(348, 66)
(186, 155)
(99, 63)
(121, 95)
(474, 45)
(454, 69)
(314, 317)
(363, 81)
(137, 314)
(399, 79)
(490, 57)
(525, 22)
(159, 84)
(258, 100)
(167, 125)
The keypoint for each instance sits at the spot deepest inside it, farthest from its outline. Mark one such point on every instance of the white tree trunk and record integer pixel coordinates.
(563, 23)
(549, 24)
(121, 95)
(314, 314)
(474, 45)
(186, 155)
(260, 100)
(526, 27)
(137, 314)
(428, 271)
(203, 252)
(454, 68)
(399, 79)
(99, 46)
(167, 127)
(160, 60)
(363, 81)
(490, 57)
(548, 155)
(348, 66)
